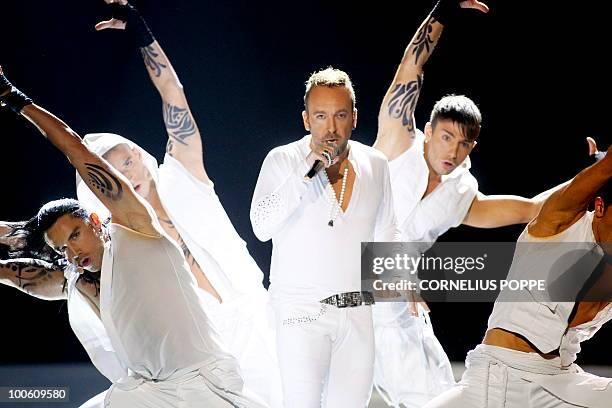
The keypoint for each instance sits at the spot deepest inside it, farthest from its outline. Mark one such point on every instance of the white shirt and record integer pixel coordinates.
(425, 219)
(311, 260)
(204, 226)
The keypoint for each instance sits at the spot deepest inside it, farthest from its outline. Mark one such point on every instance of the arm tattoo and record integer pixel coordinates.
(30, 274)
(104, 181)
(179, 123)
(423, 41)
(150, 56)
(403, 102)
(169, 147)
(186, 252)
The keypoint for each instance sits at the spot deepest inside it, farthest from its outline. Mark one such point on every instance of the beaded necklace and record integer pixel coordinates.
(336, 204)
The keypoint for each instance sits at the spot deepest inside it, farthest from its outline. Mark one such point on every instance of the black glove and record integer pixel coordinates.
(135, 26)
(15, 99)
(446, 11)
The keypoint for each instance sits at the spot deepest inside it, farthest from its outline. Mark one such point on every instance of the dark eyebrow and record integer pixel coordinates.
(73, 233)
(449, 132)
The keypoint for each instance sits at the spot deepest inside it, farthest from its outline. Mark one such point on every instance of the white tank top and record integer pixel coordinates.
(541, 319)
(151, 309)
(90, 331)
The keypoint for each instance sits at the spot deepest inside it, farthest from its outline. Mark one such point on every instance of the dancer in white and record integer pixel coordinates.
(36, 274)
(323, 320)
(433, 191)
(527, 356)
(148, 301)
(187, 207)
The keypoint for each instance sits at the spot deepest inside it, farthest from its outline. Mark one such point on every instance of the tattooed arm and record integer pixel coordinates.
(396, 125)
(35, 277)
(184, 141)
(115, 192)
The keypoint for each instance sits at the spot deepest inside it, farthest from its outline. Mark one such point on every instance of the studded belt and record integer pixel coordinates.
(350, 299)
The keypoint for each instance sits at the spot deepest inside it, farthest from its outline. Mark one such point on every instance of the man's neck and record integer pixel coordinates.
(154, 200)
(433, 178)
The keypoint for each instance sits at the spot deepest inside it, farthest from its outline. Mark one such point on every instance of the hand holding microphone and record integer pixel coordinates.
(324, 154)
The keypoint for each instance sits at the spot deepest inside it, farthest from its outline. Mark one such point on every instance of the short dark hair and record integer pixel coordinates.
(461, 110)
(31, 239)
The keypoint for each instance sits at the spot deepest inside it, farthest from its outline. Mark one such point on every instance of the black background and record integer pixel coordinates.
(536, 69)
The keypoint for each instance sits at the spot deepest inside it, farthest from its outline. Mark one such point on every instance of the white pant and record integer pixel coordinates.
(246, 331)
(95, 402)
(411, 368)
(498, 377)
(326, 355)
(211, 387)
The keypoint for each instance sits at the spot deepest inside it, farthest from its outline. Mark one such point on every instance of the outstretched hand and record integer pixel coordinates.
(592, 146)
(113, 23)
(474, 4)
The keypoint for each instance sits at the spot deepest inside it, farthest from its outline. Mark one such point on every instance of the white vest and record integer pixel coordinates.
(90, 331)
(540, 318)
(151, 309)
(425, 219)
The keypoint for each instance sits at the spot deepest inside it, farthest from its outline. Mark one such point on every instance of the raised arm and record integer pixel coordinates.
(115, 192)
(35, 277)
(184, 140)
(564, 207)
(396, 125)
(500, 210)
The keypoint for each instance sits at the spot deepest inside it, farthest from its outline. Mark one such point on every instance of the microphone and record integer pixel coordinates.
(318, 165)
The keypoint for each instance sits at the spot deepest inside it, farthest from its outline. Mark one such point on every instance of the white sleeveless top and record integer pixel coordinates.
(151, 309)
(539, 318)
(446, 207)
(90, 331)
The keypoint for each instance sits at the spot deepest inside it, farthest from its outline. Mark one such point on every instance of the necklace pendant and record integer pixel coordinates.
(331, 223)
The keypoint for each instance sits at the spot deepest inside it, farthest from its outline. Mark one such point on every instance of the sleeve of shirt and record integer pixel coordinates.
(467, 189)
(278, 193)
(386, 223)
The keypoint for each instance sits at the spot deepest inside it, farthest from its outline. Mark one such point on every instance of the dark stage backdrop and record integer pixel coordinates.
(536, 69)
